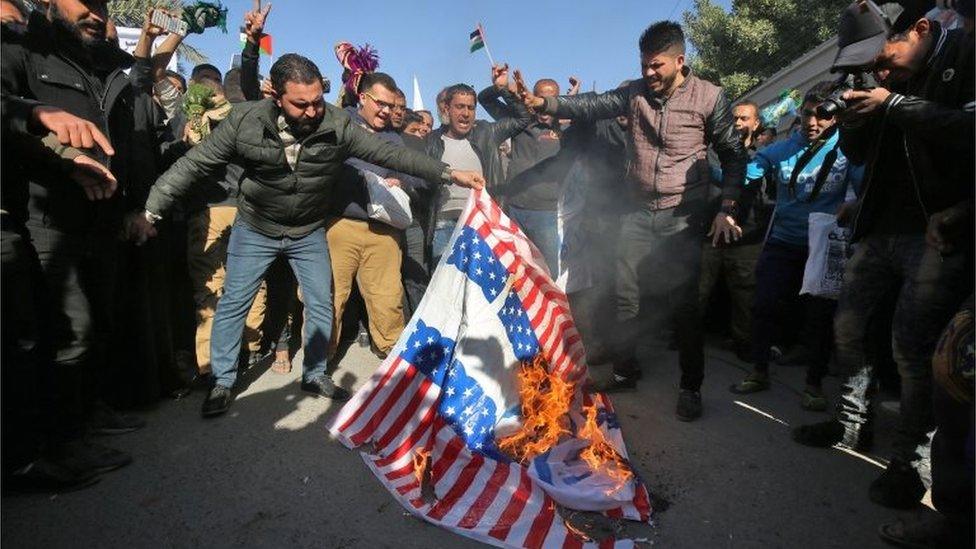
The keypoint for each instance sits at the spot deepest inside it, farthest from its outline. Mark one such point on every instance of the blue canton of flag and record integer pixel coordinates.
(428, 351)
(464, 404)
(472, 256)
(470, 411)
(518, 329)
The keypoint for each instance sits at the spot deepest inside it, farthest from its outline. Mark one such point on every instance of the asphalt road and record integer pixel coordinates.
(268, 475)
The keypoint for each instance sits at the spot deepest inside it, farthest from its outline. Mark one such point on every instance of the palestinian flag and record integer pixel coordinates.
(477, 39)
(264, 45)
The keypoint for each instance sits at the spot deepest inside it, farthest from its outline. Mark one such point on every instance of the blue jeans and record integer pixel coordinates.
(248, 256)
(541, 227)
(442, 237)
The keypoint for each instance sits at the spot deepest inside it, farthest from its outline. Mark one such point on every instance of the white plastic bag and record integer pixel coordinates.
(389, 205)
(823, 275)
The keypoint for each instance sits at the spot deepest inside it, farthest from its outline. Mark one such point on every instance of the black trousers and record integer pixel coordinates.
(24, 368)
(414, 269)
(79, 273)
(658, 266)
(779, 277)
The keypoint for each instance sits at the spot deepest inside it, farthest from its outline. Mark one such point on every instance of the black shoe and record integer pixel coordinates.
(819, 435)
(106, 421)
(899, 487)
(45, 475)
(828, 433)
(324, 386)
(85, 457)
(217, 402)
(689, 406)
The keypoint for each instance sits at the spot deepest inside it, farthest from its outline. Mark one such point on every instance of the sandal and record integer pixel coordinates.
(814, 402)
(753, 383)
(281, 366)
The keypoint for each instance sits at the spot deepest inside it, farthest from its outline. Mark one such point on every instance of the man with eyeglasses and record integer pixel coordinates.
(363, 250)
(469, 144)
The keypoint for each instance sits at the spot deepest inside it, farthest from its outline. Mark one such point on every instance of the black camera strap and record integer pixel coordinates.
(825, 168)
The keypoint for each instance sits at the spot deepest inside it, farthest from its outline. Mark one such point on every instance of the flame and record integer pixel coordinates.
(546, 399)
(420, 464)
(545, 402)
(600, 455)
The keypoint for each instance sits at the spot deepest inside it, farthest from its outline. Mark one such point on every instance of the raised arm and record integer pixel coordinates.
(254, 22)
(490, 97)
(585, 107)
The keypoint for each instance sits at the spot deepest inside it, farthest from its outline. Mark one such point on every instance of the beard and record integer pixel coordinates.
(75, 32)
(303, 127)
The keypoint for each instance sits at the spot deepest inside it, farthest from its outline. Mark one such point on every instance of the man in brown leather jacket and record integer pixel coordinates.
(674, 117)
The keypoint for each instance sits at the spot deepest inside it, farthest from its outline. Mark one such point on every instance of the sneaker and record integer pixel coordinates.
(217, 402)
(918, 532)
(813, 400)
(46, 475)
(753, 383)
(689, 405)
(899, 487)
(106, 421)
(86, 457)
(324, 386)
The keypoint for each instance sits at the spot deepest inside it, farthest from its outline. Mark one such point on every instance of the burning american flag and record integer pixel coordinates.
(478, 419)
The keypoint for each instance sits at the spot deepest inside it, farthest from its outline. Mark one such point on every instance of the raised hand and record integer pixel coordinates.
(471, 180)
(499, 76)
(71, 130)
(574, 86)
(149, 29)
(255, 20)
(94, 178)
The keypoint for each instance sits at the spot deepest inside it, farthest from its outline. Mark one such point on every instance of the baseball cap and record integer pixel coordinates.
(864, 28)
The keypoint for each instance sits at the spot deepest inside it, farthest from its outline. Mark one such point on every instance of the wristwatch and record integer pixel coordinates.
(730, 209)
(446, 176)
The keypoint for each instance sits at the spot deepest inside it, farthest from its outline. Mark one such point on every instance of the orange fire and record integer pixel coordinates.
(545, 402)
(420, 464)
(600, 455)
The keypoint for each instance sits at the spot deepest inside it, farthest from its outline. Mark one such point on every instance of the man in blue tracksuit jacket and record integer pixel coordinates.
(812, 175)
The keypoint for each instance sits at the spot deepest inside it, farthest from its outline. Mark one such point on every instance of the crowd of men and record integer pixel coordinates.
(161, 234)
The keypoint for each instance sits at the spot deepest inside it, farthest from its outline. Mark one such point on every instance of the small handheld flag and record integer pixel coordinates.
(478, 42)
(264, 45)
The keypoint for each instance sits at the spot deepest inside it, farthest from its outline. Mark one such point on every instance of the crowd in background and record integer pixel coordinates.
(163, 235)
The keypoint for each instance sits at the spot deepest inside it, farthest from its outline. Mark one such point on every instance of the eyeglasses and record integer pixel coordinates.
(381, 104)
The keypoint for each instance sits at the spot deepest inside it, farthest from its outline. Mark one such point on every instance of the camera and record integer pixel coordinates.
(835, 103)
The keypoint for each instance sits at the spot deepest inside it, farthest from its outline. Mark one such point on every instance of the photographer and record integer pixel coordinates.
(915, 135)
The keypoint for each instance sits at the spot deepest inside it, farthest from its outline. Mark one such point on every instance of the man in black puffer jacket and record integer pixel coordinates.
(292, 149)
